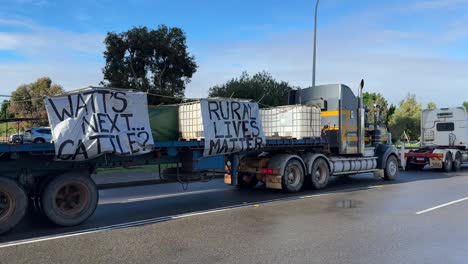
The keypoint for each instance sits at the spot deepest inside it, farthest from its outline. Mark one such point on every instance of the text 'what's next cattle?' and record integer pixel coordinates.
(96, 121)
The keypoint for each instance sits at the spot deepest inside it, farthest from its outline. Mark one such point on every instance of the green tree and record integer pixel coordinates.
(431, 105)
(154, 61)
(27, 100)
(391, 111)
(407, 117)
(260, 86)
(465, 104)
(371, 99)
(5, 110)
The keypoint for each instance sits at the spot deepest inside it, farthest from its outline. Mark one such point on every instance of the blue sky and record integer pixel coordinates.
(397, 46)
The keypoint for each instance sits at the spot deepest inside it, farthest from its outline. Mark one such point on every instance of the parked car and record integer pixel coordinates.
(16, 138)
(38, 135)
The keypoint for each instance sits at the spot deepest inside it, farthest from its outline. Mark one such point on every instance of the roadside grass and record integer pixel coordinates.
(142, 168)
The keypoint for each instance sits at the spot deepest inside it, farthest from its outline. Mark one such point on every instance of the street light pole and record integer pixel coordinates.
(315, 44)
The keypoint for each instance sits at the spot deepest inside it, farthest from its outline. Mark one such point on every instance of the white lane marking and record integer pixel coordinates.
(442, 205)
(138, 199)
(173, 217)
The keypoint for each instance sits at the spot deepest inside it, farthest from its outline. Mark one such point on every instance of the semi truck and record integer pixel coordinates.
(444, 140)
(31, 176)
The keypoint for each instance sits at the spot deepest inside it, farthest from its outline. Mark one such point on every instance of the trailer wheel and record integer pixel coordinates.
(13, 204)
(448, 163)
(457, 162)
(69, 199)
(320, 174)
(293, 177)
(391, 169)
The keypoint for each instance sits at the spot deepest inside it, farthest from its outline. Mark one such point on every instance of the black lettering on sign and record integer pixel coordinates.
(90, 124)
(212, 104)
(131, 142)
(258, 142)
(64, 112)
(124, 102)
(113, 123)
(81, 150)
(225, 117)
(120, 146)
(245, 129)
(146, 138)
(101, 121)
(91, 94)
(237, 127)
(228, 124)
(216, 131)
(252, 117)
(241, 140)
(98, 140)
(235, 107)
(214, 146)
(126, 116)
(60, 150)
(233, 144)
(245, 112)
(103, 93)
(80, 103)
(253, 125)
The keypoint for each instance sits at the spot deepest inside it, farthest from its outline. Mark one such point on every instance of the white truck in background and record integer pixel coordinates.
(444, 140)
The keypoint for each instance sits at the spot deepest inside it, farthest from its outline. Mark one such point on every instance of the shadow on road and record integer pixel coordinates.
(161, 206)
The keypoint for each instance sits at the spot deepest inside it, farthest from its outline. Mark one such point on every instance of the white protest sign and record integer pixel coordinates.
(231, 126)
(94, 121)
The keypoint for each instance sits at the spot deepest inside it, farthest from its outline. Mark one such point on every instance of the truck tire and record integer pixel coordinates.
(457, 162)
(246, 181)
(320, 174)
(448, 163)
(13, 204)
(391, 168)
(69, 199)
(293, 176)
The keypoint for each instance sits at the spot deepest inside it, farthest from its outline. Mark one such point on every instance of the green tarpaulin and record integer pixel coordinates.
(164, 122)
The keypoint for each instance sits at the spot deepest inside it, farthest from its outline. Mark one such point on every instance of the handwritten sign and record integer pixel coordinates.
(231, 126)
(97, 121)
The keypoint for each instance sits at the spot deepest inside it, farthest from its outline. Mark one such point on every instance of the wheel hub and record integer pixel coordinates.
(71, 198)
(6, 203)
(293, 175)
(320, 174)
(393, 168)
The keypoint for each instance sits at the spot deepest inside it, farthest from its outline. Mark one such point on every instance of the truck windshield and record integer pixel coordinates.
(445, 126)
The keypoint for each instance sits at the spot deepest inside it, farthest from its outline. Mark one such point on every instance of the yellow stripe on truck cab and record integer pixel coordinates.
(330, 113)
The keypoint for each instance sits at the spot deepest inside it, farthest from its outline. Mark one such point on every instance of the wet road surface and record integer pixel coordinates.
(420, 218)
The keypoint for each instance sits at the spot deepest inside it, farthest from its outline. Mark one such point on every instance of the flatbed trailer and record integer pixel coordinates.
(64, 192)
(29, 173)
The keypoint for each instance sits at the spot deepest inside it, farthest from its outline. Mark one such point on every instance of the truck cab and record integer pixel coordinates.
(444, 127)
(444, 139)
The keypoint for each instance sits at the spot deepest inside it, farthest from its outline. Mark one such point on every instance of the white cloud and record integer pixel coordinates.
(39, 41)
(393, 70)
(69, 75)
(71, 59)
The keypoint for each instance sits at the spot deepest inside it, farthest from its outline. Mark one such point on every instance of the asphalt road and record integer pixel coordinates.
(356, 220)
